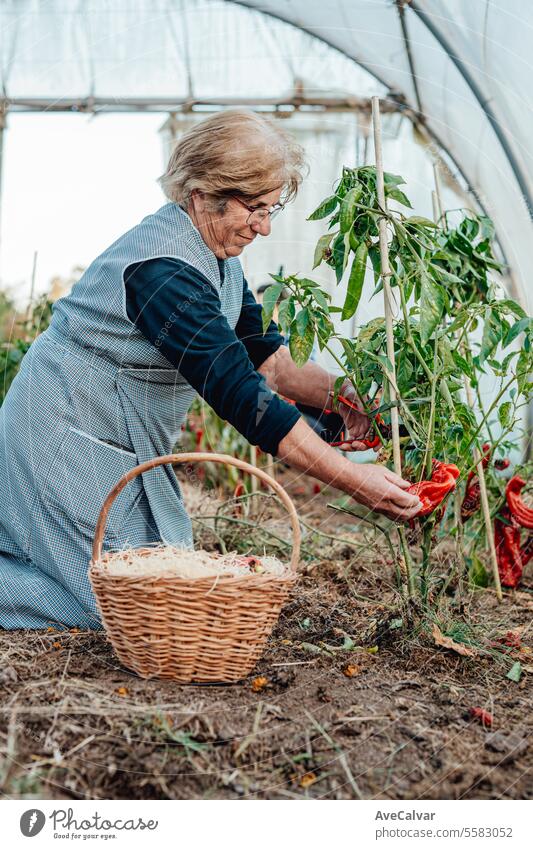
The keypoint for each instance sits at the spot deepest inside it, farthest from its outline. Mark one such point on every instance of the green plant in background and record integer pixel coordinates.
(441, 278)
(26, 329)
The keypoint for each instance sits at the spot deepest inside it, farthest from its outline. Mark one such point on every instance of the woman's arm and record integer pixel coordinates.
(311, 384)
(372, 485)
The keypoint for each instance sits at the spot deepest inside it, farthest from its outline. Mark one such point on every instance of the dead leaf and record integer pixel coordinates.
(308, 779)
(448, 643)
(351, 670)
(259, 683)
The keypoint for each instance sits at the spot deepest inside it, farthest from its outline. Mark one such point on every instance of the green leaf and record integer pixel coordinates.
(286, 312)
(270, 299)
(419, 221)
(392, 179)
(300, 347)
(321, 299)
(515, 672)
(445, 392)
(326, 208)
(355, 282)
(504, 414)
(521, 326)
(348, 207)
(321, 246)
(302, 320)
(463, 364)
(511, 306)
(523, 370)
(491, 335)
(397, 195)
(477, 573)
(432, 305)
(442, 274)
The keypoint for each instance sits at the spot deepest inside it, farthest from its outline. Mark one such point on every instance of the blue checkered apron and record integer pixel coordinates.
(93, 379)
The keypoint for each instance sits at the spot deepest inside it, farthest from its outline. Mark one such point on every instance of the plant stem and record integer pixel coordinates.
(408, 560)
(408, 336)
(427, 465)
(426, 559)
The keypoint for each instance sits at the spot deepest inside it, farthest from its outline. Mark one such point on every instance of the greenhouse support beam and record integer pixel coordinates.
(93, 105)
(416, 117)
(400, 5)
(483, 102)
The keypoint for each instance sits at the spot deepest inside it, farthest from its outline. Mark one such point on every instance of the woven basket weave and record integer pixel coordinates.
(190, 630)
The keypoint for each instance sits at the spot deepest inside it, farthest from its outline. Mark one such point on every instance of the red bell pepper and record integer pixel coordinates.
(519, 510)
(472, 496)
(432, 492)
(507, 542)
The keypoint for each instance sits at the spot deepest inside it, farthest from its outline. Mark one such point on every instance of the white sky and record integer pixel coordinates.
(71, 185)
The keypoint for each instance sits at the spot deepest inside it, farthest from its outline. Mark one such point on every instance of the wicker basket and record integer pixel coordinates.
(198, 630)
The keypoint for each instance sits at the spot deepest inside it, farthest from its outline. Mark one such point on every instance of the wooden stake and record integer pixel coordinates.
(253, 462)
(485, 504)
(438, 196)
(387, 295)
(437, 206)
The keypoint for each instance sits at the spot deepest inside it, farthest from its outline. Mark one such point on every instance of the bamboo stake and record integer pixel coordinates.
(253, 462)
(438, 197)
(385, 275)
(406, 565)
(435, 205)
(485, 504)
(477, 455)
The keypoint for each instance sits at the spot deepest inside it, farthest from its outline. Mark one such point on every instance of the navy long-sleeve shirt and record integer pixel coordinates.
(219, 362)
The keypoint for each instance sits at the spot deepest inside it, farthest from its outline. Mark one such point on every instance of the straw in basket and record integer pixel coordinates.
(190, 630)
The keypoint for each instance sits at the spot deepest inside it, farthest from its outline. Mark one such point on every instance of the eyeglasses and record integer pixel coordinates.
(259, 214)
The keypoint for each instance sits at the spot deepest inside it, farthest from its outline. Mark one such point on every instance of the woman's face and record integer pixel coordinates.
(228, 233)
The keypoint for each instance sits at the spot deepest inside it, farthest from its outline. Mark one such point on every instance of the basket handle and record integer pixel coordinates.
(198, 457)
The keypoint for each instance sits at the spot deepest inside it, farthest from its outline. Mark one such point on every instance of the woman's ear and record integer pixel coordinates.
(197, 200)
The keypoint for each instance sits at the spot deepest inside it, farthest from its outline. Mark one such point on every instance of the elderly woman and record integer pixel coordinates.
(162, 314)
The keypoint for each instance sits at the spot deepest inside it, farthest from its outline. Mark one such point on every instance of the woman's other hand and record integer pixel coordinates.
(384, 491)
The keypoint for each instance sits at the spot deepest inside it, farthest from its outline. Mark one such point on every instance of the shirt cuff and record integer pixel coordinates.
(274, 423)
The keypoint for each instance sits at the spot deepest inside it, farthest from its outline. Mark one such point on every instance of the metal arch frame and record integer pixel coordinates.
(417, 118)
(497, 128)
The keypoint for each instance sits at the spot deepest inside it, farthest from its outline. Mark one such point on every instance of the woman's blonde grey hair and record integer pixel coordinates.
(234, 152)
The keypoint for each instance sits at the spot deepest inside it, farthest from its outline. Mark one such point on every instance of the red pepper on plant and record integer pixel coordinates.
(507, 542)
(519, 510)
(432, 492)
(472, 496)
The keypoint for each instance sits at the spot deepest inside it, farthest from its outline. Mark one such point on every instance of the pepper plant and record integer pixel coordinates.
(453, 325)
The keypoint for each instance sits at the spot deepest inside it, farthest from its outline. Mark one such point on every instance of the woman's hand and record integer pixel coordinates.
(358, 424)
(374, 486)
(382, 490)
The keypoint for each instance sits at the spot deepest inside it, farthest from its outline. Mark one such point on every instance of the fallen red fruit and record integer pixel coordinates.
(482, 716)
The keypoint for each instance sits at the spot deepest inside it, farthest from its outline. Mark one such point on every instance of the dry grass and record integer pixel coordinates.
(344, 704)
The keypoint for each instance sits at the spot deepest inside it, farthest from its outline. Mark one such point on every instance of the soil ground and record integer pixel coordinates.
(385, 717)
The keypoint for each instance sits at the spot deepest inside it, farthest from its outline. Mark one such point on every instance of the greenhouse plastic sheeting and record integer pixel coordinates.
(492, 42)
(471, 63)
